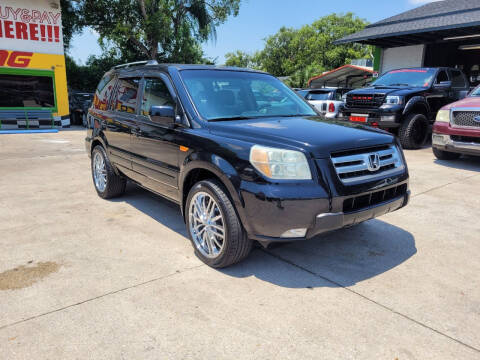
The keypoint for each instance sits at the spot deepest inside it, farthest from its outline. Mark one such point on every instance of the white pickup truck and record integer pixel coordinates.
(326, 100)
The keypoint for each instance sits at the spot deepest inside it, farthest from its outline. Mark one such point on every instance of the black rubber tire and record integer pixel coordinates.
(413, 132)
(237, 245)
(445, 155)
(115, 184)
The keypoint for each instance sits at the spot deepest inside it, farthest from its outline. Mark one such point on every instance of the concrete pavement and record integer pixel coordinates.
(122, 280)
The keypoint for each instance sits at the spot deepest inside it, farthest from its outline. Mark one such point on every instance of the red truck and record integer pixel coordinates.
(456, 130)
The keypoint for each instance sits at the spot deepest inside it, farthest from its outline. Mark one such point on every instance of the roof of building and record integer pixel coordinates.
(348, 76)
(423, 24)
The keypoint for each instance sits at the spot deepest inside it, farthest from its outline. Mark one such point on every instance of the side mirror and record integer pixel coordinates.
(444, 85)
(164, 114)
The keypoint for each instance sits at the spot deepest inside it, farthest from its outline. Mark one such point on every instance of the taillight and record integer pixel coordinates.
(331, 107)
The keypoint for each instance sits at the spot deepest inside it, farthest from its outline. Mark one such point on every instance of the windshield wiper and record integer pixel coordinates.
(232, 118)
(399, 85)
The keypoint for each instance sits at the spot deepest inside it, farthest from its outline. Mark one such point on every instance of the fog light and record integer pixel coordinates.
(390, 118)
(438, 139)
(294, 233)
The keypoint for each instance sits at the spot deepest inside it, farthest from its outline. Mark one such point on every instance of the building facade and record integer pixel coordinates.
(33, 82)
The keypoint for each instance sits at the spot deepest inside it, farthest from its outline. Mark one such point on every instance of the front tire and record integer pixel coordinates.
(107, 183)
(413, 132)
(213, 226)
(445, 155)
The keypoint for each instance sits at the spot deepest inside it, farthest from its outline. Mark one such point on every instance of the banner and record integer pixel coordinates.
(33, 26)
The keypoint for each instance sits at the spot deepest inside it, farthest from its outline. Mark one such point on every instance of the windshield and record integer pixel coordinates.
(324, 95)
(407, 77)
(475, 92)
(223, 95)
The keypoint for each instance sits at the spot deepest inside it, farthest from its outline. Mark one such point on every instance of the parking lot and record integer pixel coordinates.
(81, 277)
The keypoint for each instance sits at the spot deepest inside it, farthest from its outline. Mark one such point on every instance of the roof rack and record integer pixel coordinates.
(145, 62)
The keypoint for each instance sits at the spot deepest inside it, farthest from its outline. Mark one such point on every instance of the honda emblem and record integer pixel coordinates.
(373, 162)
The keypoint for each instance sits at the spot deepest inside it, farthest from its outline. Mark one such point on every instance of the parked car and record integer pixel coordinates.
(240, 169)
(328, 101)
(79, 103)
(457, 128)
(406, 101)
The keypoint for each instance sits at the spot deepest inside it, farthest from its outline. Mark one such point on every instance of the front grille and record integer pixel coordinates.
(363, 165)
(466, 139)
(466, 118)
(365, 101)
(364, 201)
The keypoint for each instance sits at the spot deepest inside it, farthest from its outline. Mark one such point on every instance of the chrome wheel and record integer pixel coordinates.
(99, 171)
(207, 225)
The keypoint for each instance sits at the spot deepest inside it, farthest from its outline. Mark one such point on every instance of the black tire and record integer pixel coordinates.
(445, 155)
(236, 244)
(413, 132)
(115, 184)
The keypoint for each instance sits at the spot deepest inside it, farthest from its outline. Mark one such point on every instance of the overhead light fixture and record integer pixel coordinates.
(469, 47)
(461, 37)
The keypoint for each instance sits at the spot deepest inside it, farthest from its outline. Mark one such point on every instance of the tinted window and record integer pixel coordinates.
(26, 91)
(126, 97)
(442, 76)
(156, 94)
(220, 94)
(457, 79)
(324, 95)
(104, 92)
(406, 77)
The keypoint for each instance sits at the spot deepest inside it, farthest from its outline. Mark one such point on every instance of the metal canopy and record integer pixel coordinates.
(431, 23)
(349, 76)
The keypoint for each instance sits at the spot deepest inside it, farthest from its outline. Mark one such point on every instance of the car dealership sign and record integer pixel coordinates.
(34, 26)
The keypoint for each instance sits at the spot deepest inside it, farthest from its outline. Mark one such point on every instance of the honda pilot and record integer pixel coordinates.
(243, 155)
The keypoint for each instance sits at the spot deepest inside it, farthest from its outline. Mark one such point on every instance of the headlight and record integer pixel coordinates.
(394, 100)
(443, 116)
(280, 164)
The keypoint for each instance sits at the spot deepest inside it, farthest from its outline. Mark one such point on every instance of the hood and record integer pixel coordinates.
(389, 90)
(314, 134)
(468, 102)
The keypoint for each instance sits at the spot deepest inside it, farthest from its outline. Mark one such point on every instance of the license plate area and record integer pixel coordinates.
(359, 118)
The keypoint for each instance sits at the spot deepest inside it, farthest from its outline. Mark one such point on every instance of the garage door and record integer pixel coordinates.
(402, 57)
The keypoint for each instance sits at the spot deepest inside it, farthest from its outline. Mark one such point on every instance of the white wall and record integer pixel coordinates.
(402, 57)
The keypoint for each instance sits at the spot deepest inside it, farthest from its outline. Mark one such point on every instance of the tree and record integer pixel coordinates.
(165, 30)
(71, 21)
(242, 59)
(310, 50)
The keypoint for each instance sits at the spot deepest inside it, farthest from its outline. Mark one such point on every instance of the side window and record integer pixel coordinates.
(442, 76)
(104, 92)
(457, 79)
(156, 94)
(126, 98)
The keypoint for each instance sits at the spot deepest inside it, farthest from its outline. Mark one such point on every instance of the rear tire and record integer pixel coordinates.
(107, 183)
(445, 155)
(208, 210)
(413, 132)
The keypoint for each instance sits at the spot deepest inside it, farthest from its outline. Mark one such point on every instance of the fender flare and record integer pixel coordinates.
(416, 100)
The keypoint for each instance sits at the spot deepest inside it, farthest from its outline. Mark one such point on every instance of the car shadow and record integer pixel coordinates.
(338, 259)
(471, 163)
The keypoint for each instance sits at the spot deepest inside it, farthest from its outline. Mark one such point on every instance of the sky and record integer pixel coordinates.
(260, 18)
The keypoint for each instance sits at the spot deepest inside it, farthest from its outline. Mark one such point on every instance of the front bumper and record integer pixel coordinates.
(269, 219)
(458, 140)
(384, 116)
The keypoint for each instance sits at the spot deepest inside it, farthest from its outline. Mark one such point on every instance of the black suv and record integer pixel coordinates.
(243, 155)
(406, 101)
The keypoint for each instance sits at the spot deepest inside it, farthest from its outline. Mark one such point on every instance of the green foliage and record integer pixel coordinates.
(242, 59)
(165, 30)
(308, 51)
(71, 21)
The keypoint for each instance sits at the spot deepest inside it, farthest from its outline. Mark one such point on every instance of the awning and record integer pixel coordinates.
(433, 22)
(348, 76)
